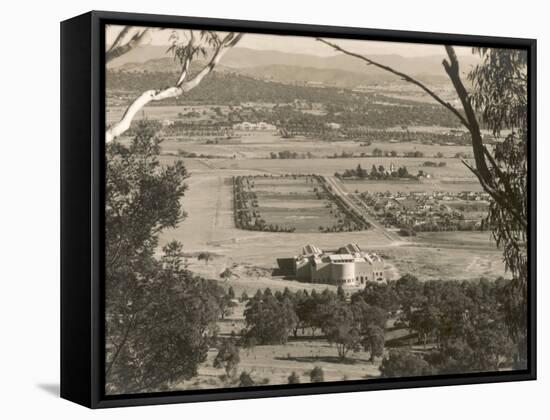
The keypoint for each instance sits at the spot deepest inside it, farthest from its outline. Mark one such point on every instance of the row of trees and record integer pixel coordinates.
(368, 134)
(432, 164)
(287, 154)
(246, 208)
(376, 173)
(352, 219)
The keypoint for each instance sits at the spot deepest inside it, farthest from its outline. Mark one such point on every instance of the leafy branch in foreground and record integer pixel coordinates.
(185, 51)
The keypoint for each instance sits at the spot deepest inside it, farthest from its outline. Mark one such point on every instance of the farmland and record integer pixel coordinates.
(293, 204)
(252, 255)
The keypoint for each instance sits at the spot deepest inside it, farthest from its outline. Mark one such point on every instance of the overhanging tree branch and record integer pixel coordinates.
(404, 76)
(501, 190)
(452, 69)
(504, 195)
(182, 86)
(121, 45)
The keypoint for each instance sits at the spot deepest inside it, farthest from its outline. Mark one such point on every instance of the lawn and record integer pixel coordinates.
(292, 203)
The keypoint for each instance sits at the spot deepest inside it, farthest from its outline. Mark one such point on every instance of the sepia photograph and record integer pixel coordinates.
(289, 210)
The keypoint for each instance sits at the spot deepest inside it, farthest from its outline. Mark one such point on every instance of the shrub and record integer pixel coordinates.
(293, 378)
(404, 363)
(407, 232)
(245, 379)
(317, 374)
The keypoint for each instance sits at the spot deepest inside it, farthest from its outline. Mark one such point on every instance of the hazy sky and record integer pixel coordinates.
(307, 45)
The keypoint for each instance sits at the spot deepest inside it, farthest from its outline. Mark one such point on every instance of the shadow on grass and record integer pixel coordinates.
(402, 340)
(324, 359)
(306, 337)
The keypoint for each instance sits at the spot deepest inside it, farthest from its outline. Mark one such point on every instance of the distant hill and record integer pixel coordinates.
(276, 72)
(328, 76)
(164, 65)
(428, 65)
(141, 54)
(255, 62)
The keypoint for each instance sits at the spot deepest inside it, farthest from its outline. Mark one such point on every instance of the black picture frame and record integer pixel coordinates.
(82, 208)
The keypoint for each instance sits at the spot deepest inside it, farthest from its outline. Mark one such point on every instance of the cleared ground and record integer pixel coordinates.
(273, 363)
(292, 203)
(210, 227)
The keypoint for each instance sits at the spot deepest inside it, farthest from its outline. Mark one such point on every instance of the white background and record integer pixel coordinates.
(29, 210)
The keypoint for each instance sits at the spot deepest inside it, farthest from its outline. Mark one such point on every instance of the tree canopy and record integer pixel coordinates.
(159, 316)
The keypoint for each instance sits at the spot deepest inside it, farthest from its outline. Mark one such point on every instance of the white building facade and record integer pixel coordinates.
(347, 267)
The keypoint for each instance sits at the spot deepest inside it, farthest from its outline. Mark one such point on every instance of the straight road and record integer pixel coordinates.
(359, 208)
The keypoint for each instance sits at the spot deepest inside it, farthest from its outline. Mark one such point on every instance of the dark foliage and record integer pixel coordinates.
(159, 317)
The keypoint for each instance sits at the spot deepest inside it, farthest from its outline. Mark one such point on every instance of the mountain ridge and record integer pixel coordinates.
(246, 58)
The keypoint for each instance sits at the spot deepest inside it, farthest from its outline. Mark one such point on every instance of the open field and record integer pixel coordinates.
(257, 144)
(297, 203)
(458, 239)
(453, 173)
(273, 364)
(304, 218)
(260, 145)
(210, 227)
(429, 185)
(445, 261)
(114, 113)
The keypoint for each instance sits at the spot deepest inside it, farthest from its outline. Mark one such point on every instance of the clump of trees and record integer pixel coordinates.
(405, 363)
(457, 327)
(460, 325)
(414, 154)
(272, 318)
(287, 154)
(269, 319)
(205, 256)
(432, 164)
(351, 326)
(376, 173)
(407, 231)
